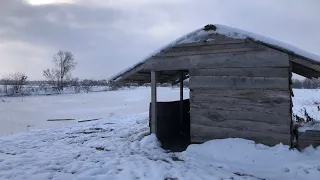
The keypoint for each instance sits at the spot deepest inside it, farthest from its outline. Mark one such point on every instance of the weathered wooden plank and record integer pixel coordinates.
(243, 105)
(204, 52)
(242, 125)
(310, 137)
(128, 73)
(307, 63)
(211, 46)
(269, 141)
(304, 70)
(259, 96)
(217, 41)
(210, 49)
(249, 72)
(88, 120)
(223, 115)
(238, 82)
(203, 133)
(268, 58)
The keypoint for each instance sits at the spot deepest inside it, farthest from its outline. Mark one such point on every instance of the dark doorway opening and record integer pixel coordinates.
(172, 131)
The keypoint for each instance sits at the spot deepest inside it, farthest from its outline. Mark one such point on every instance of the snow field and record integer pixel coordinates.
(116, 148)
(21, 114)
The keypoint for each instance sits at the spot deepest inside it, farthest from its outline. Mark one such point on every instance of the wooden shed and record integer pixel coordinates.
(240, 86)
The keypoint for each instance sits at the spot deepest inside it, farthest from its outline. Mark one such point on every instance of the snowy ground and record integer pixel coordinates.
(115, 147)
(21, 114)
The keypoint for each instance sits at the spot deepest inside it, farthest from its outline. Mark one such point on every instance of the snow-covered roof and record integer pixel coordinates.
(203, 35)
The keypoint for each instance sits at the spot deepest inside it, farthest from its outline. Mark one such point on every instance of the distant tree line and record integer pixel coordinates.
(60, 77)
(306, 83)
(57, 78)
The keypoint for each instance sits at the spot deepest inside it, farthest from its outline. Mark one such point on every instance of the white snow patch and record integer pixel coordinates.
(150, 142)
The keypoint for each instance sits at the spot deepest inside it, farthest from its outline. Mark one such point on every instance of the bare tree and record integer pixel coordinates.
(6, 81)
(18, 81)
(64, 64)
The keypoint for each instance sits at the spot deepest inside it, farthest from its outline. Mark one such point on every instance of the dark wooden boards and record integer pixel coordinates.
(309, 138)
(204, 133)
(238, 82)
(258, 96)
(231, 104)
(248, 72)
(220, 115)
(251, 102)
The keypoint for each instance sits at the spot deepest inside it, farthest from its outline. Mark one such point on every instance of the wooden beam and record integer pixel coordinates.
(153, 102)
(128, 73)
(306, 63)
(304, 70)
(181, 98)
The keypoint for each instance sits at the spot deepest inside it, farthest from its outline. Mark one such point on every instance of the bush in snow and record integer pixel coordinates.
(13, 84)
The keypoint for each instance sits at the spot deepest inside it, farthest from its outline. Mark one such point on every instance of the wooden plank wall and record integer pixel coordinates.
(309, 138)
(237, 98)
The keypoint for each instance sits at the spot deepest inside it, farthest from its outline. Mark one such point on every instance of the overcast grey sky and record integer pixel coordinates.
(107, 36)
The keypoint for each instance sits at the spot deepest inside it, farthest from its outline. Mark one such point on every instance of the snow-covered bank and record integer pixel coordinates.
(115, 148)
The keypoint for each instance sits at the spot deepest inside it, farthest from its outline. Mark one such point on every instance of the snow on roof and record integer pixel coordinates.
(202, 34)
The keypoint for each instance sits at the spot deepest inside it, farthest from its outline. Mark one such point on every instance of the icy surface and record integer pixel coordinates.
(116, 148)
(202, 35)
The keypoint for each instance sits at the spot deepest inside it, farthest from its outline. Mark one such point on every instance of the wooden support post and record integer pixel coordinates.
(153, 102)
(181, 98)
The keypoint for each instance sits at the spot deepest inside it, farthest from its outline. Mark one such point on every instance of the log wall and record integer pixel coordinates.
(244, 95)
